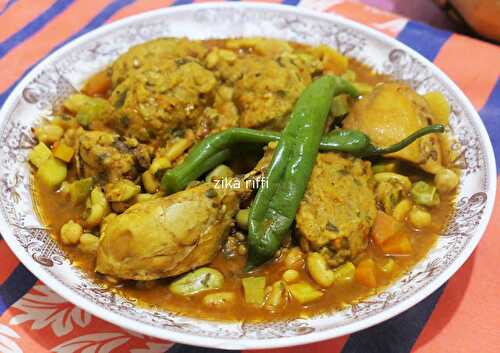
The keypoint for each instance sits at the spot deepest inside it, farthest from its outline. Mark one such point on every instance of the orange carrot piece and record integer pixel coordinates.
(63, 152)
(365, 273)
(97, 85)
(399, 244)
(384, 228)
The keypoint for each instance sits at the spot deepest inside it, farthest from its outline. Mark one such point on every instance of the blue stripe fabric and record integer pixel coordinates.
(34, 26)
(181, 2)
(290, 2)
(490, 114)
(7, 6)
(425, 39)
(97, 21)
(17, 285)
(397, 335)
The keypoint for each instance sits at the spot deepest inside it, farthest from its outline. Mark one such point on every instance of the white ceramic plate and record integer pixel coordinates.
(66, 70)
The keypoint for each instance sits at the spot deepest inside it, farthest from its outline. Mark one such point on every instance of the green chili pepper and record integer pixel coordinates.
(274, 207)
(214, 150)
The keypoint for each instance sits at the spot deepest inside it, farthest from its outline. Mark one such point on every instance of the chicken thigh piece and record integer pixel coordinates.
(168, 236)
(392, 112)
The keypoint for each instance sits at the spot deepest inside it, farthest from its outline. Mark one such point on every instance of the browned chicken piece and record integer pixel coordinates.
(338, 208)
(109, 157)
(389, 114)
(168, 236)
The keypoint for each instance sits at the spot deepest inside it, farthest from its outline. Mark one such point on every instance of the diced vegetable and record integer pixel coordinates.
(121, 190)
(79, 190)
(424, 194)
(385, 167)
(254, 289)
(304, 292)
(49, 133)
(87, 108)
(401, 210)
(220, 172)
(88, 243)
(242, 218)
(384, 228)
(290, 276)
(98, 84)
(419, 217)
(319, 270)
(71, 233)
(52, 172)
(446, 180)
(365, 273)
(200, 280)
(220, 299)
(39, 154)
(439, 107)
(398, 244)
(344, 273)
(63, 152)
(179, 148)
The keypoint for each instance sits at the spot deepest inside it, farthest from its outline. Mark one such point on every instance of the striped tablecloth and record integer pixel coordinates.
(463, 316)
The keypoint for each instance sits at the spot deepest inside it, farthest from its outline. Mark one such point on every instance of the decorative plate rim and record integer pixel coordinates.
(250, 343)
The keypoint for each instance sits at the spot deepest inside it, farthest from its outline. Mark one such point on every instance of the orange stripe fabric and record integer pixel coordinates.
(9, 261)
(474, 66)
(23, 56)
(385, 22)
(467, 317)
(139, 7)
(20, 14)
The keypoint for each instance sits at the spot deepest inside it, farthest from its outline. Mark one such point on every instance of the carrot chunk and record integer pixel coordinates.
(398, 244)
(365, 273)
(384, 228)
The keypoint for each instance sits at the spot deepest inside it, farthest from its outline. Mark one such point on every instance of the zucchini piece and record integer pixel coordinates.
(39, 154)
(304, 292)
(254, 289)
(52, 172)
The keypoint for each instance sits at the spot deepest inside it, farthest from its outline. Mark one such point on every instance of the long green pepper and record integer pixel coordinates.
(215, 149)
(274, 207)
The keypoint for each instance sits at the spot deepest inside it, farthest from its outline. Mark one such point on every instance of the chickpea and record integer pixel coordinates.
(49, 133)
(419, 217)
(319, 270)
(242, 218)
(401, 210)
(446, 180)
(290, 276)
(98, 208)
(71, 232)
(88, 243)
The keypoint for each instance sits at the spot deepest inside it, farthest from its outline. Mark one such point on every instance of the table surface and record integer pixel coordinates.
(463, 316)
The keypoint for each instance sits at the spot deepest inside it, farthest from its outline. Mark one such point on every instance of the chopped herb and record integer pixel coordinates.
(331, 227)
(122, 96)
